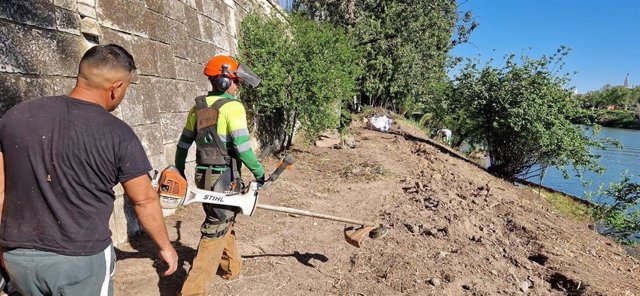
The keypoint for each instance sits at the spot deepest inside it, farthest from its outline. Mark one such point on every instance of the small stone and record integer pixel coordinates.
(435, 281)
(524, 286)
(494, 272)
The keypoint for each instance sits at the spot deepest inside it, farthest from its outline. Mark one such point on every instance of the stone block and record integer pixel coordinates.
(66, 4)
(144, 52)
(150, 137)
(176, 10)
(118, 222)
(165, 61)
(170, 154)
(187, 70)
(125, 40)
(170, 8)
(87, 11)
(171, 126)
(67, 21)
(180, 41)
(33, 51)
(220, 37)
(231, 23)
(206, 28)
(202, 84)
(118, 190)
(159, 6)
(202, 51)
(123, 15)
(90, 3)
(90, 26)
(147, 98)
(192, 23)
(158, 161)
(132, 107)
(189, 3)
(175, 96)
(157, 26)
(200, 6)
(39, 13)
(16, 88)
(215, 10)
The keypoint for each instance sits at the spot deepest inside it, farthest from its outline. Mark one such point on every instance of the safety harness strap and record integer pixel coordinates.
(211, 151)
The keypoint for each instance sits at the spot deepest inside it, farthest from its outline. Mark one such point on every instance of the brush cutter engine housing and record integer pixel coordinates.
(175, 192)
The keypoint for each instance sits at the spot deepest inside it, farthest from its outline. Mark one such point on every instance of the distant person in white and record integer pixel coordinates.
(445, 134)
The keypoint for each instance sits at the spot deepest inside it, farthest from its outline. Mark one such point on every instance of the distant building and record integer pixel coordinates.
(626, 81)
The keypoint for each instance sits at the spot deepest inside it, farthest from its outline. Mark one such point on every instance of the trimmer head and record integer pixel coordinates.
(355, 236)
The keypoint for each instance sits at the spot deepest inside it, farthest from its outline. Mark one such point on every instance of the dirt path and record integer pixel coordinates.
(456, 230)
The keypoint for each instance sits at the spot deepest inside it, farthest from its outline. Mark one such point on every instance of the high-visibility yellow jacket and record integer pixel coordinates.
(232, 130)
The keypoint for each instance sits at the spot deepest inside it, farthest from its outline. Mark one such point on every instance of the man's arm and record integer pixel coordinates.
(186, 139)
(147, 206)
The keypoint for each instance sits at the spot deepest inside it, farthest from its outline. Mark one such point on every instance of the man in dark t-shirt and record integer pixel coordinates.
(59, 160)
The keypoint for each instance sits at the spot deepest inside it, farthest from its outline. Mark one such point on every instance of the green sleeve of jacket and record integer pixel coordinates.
(237, 128)
(186, 139)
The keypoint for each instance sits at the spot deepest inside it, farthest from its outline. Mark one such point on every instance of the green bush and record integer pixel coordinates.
(308, 69)
(520, 113)
(621, 217)
(616, 118)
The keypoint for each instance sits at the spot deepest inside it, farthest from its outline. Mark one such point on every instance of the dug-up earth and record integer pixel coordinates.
(454, 230)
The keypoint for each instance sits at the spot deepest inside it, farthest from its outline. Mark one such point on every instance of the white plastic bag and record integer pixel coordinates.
(381, 123)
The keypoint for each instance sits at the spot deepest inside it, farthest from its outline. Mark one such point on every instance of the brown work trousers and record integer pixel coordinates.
(217, 254)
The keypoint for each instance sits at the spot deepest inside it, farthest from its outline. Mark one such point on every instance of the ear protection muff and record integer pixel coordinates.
(223, 81)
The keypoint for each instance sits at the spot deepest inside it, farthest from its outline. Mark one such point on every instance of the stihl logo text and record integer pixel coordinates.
(214, 198)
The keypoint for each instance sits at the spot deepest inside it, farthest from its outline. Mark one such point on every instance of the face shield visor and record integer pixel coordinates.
(246, 76)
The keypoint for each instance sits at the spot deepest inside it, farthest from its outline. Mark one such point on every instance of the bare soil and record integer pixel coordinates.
(455, 230)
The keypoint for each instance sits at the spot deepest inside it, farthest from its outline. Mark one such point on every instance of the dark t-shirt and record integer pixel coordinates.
(62, 158)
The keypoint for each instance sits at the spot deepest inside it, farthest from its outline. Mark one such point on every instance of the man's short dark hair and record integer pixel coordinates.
(111, 56)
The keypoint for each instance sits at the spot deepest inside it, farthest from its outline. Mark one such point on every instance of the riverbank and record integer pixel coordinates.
(609, 118)
(455, 230)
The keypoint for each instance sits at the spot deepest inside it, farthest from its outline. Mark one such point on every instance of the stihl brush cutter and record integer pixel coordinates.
(174, 193)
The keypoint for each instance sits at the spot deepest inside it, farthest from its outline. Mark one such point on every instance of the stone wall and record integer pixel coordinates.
(42, 41)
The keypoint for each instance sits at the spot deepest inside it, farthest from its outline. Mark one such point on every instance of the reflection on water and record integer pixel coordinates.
(616, 161)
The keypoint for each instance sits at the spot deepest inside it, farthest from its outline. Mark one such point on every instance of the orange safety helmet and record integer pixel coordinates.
(236, 71)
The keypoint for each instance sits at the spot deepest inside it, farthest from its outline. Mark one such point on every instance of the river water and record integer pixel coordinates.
(615, 160)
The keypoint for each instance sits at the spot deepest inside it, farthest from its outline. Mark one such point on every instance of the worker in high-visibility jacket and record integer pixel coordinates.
(218, 125)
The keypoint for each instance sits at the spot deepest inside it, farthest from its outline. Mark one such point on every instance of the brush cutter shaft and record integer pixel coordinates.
(312, 214)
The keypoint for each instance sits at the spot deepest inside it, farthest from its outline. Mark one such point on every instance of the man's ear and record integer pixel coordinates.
(115, 87)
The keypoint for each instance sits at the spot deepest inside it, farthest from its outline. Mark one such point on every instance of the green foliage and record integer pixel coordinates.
(308, 69)
(519, 113)
(618, 96)
(622, 216)
(405, 45)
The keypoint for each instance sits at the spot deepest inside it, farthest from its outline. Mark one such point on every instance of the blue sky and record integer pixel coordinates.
(604, 35)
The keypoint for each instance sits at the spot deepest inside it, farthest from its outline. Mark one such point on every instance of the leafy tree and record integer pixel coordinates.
(619, 209)
(308, 69)
(519, 113)
(405, 45)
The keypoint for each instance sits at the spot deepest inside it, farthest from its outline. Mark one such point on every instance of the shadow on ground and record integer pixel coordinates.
(302, 258)
(168, 285)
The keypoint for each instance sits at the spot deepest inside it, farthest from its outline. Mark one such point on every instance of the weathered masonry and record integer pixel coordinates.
(42, 41)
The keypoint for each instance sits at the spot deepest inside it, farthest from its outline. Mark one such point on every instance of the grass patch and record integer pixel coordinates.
(566, 205)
